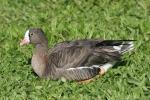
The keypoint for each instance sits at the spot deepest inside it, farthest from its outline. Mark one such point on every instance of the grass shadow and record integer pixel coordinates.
(120, 64)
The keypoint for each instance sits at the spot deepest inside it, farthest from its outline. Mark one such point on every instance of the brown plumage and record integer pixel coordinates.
(73, 60)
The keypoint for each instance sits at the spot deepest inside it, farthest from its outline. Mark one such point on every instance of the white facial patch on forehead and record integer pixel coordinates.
(27, 34)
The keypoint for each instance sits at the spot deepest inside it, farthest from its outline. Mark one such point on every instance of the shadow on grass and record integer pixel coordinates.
(29, 61)
(120, 64)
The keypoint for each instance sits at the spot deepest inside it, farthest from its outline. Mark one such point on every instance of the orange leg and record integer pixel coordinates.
(85, 81)
(102, 71)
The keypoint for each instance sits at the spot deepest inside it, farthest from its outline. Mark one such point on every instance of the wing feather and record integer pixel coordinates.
(74, 60)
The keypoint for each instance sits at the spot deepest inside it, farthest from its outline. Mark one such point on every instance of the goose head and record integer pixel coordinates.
(34, 36)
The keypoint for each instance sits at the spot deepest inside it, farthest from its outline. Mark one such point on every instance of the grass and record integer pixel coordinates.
(75, 19)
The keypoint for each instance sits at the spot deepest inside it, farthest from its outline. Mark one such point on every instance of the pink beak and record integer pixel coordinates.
(24, 41)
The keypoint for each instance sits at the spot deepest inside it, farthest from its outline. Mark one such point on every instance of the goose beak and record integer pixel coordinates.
(24, 41)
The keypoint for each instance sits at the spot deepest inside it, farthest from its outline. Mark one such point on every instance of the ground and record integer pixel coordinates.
(68, 20)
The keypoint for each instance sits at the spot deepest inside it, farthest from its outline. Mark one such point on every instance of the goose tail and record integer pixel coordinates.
(126, 46)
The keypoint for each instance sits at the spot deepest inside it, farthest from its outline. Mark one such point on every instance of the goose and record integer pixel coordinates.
(77, 60)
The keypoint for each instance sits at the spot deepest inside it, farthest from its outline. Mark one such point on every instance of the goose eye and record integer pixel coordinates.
(31, 34)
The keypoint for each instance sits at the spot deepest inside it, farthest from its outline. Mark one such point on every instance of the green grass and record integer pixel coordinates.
(75, 19)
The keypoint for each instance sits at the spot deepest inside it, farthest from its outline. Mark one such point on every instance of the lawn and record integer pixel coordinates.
(68, 20)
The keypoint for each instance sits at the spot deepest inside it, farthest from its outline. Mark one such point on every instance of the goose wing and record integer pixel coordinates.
(80, 62)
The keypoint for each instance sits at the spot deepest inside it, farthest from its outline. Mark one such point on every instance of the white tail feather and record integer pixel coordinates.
(124, 47)
(129, 48)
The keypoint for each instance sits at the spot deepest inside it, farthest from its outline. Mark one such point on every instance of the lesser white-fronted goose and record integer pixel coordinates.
(74, 60)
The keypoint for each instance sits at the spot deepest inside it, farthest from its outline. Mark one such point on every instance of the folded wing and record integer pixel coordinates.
(76, 60)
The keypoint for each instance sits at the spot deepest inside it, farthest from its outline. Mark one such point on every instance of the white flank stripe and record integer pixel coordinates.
(80, 68)
(105, 66)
